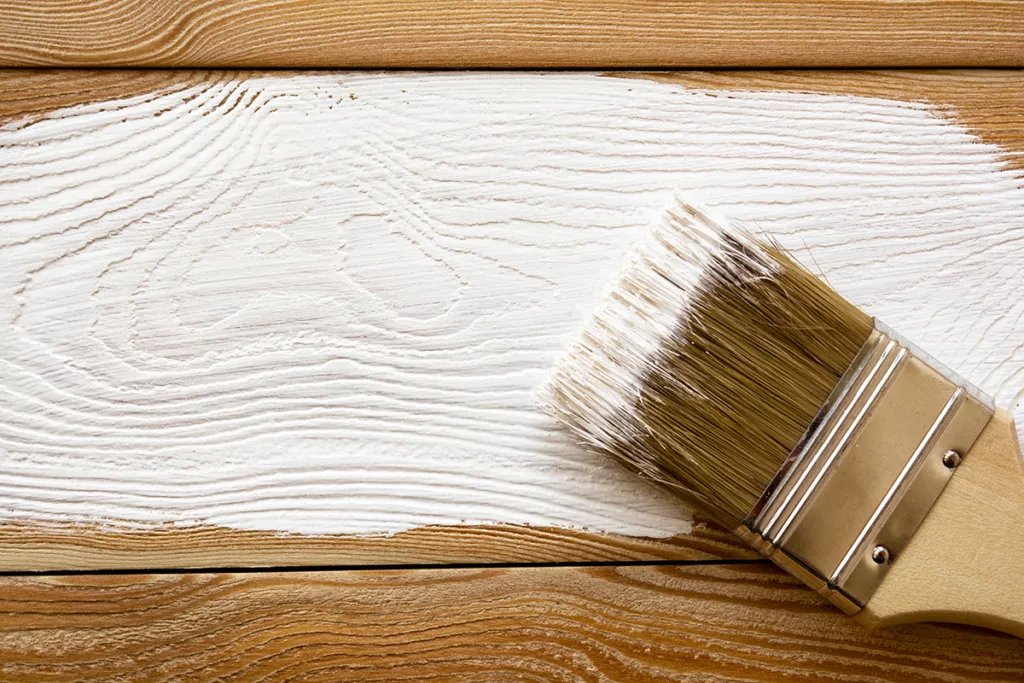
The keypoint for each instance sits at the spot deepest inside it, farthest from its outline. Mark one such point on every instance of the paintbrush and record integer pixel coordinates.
(723, 370)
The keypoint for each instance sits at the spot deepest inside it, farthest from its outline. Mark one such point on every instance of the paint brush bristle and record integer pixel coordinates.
(707, 362)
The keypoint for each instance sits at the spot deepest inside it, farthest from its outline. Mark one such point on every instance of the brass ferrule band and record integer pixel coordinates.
(853, 492)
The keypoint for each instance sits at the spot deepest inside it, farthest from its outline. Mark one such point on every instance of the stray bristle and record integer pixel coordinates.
(708, 361)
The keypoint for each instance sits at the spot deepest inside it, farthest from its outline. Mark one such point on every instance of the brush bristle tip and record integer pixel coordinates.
(703, 366)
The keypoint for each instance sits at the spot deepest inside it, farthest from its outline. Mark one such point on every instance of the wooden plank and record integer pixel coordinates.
(513, 34)
(257, 316)
(40, 546)
(667, 623)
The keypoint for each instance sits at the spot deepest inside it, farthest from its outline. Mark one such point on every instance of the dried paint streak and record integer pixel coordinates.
(323, 304)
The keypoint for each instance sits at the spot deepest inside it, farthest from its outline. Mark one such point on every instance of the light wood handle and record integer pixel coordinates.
(966, 562)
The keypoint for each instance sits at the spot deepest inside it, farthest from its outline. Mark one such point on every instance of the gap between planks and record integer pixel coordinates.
(286, 569)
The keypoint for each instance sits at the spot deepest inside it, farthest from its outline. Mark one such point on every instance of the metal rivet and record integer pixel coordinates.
(881, 554)
(951, 459)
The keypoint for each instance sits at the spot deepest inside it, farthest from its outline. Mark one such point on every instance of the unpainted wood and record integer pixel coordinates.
(668, 623)
(26, 95)
(43, 547)
(512, 34)
(966, 561)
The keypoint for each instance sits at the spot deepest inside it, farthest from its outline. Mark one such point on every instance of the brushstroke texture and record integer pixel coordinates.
(323, 303)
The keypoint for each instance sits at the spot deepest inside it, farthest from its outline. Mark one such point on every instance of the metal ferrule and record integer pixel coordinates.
(853, 492)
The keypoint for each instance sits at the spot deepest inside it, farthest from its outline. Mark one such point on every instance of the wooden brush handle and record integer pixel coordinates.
(966, 561)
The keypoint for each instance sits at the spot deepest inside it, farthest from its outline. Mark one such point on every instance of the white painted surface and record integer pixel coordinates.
(323, 304)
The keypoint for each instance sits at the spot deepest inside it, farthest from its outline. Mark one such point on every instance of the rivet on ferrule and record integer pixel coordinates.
(951, 459)
(854, 491)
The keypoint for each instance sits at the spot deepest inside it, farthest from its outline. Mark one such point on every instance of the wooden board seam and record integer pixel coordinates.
(290, 569)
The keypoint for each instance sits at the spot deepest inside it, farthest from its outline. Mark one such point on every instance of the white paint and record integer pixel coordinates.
(313, 313)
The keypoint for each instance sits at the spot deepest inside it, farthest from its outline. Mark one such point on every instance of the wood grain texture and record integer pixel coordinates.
(512, 34)
(724, 623)
(40, 547)
(157, 381)
(30, 94)
(966, 561)
(986, 101)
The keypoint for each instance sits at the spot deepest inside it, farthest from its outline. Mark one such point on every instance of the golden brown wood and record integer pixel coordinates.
(966, 562)
(27, 94)
(740, 622)
(40, 547)
(512, 34)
